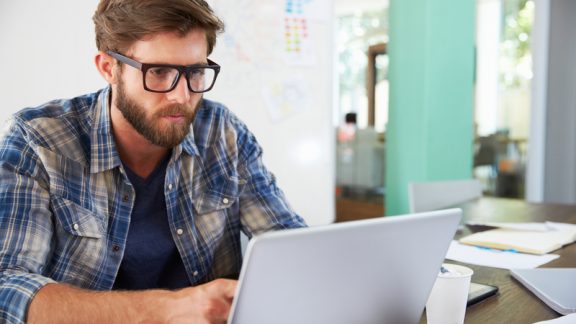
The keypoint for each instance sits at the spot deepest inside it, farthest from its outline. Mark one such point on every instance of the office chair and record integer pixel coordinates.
(486, 156)
(427, 196)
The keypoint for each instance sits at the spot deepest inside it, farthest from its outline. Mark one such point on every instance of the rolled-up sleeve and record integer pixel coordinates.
(25, 224)
(17, 288)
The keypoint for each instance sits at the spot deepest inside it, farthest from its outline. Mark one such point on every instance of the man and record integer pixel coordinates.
(126, 205)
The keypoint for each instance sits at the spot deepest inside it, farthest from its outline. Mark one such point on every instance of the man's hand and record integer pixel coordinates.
(208, 303)
(59, 303)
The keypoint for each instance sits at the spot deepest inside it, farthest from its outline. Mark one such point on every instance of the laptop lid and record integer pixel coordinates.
(554, 286)
(369, 271)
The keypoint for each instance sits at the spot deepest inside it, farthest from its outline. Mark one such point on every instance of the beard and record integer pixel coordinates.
(155, 128)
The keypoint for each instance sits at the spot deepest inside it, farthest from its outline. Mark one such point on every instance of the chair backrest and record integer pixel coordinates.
(487, 151)
(427, 196)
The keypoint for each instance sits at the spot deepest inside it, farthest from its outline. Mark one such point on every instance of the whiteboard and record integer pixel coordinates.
(277, 75)
(47, 52)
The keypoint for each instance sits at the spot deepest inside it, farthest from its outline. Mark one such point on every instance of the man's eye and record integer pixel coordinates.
(197, 73)
(161, 72)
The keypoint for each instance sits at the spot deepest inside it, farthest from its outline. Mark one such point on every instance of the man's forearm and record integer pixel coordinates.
(206, 303)
(59, 303)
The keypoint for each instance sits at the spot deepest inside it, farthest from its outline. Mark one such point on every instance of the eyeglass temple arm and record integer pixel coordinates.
(125, 59)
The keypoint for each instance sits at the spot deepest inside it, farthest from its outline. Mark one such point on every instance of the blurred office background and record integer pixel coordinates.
(513, 38)
(331, 147)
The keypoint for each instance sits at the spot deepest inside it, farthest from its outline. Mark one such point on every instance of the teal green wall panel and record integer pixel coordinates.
(430, 123)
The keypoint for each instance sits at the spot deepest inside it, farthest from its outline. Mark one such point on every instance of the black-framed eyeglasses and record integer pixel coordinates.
(163, 78)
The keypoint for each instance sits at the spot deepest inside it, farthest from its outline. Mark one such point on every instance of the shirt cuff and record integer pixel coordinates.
(16, 292)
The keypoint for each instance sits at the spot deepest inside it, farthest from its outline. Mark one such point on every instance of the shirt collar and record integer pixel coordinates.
(104, 155)
(188, 145)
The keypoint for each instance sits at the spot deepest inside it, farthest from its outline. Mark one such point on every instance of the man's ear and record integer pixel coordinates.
(106, 65)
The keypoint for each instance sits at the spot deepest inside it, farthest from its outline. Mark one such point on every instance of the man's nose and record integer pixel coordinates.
(180, 93)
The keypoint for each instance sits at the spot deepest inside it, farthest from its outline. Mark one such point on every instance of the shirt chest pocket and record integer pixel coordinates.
(221, 193)
(79, 244)
(217, 210)
(75, 220)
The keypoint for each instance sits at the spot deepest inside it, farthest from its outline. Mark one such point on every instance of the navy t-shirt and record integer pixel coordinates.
(151, 259)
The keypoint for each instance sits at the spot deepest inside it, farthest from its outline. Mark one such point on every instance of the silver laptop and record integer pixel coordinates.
(554, 286)
(369, 271)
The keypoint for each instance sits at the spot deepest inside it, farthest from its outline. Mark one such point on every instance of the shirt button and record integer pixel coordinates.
(170, 187)
(115, 248)
(125, 198)
(195, 273)
(76, 227)
(179, 231)
(225, 200)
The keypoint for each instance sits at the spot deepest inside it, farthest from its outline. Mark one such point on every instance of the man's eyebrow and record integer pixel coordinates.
(158, 62)
(164, 63)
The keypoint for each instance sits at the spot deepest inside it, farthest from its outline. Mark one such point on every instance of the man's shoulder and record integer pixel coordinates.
(212, 109)
(58, 108)
(215, 114)
(62, 126)
(215, 124)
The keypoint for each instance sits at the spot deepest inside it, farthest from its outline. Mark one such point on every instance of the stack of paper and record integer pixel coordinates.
(534, 238)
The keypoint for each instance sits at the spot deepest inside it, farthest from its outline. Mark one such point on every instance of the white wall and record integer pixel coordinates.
(344, 7)
(535, 163)
(487, 56)
(47, 50)
(560, 143)
(552, 161)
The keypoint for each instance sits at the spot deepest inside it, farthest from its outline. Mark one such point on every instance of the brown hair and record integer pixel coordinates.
(119, 23)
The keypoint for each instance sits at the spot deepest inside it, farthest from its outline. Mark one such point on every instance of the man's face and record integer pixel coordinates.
(162, 118)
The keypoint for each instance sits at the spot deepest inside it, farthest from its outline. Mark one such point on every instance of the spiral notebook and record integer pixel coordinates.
(533, 241)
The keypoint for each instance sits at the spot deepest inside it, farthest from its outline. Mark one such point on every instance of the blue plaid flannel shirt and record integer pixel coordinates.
(65, 201)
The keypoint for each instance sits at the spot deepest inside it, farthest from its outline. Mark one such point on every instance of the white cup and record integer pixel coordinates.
(447, 301)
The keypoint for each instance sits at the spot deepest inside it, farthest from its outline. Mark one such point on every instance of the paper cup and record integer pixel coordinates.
(447, 301)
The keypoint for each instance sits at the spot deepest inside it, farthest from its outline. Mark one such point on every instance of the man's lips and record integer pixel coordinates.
(175, 118)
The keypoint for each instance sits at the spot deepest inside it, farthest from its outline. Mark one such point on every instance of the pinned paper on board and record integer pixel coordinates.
(319, 10)
(298, 47)
(285, 98)
(295, 34)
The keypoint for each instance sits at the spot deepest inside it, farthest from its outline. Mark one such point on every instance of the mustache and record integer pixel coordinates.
(176, 109)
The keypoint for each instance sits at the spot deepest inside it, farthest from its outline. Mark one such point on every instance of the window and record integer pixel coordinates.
(503, 87)
(356, 32)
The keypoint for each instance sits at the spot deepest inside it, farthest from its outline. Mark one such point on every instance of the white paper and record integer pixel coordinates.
(298, 27)
(560, 226)
(528, 237)
(568, 319)
(320, 10)
(496, 258)
(286, 98)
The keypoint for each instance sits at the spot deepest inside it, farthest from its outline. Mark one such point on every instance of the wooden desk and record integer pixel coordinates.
(514, 303)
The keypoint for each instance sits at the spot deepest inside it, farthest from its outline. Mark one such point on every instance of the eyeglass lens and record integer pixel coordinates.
(165, 78)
